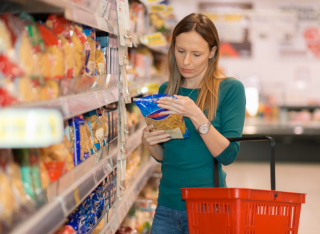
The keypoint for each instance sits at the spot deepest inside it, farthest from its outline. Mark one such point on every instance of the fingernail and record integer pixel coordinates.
(162, 130)
(168, 135)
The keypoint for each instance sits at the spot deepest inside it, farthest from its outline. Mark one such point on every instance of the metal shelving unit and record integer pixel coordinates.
(78, 96)
(96, 92)
(130, 196)
(69, 191)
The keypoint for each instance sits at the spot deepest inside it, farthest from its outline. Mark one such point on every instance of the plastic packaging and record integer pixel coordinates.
(79, 40)
(8, 199)
(8, 58)
(66, 229)
(81, 143)
(55, 50)
(171, 124)
(96, 129)
(100, 60)
(90, 65)
(64, 35)
(54, 159)
(103, 116)
(30, 173)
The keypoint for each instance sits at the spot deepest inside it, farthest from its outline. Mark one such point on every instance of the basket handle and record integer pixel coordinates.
(272, 158)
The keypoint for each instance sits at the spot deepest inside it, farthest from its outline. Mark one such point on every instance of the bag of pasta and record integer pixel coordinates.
(90, 65)
(55, 51)
(64, 35)
(171, 124)
(100, 60)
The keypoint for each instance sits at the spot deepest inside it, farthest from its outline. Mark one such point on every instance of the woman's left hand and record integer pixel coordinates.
(181, 106)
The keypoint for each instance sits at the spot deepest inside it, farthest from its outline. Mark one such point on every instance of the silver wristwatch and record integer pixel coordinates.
(204, 128)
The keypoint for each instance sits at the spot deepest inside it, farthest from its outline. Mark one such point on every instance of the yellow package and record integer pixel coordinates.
(104, 119)
(100, 60)
(69, 155)
(79, 41)
(96, 129)
(90, 66)
(9, 206)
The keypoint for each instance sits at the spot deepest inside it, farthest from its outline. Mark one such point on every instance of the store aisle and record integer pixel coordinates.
(303, 178)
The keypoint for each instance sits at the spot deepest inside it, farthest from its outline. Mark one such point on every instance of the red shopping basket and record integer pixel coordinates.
(243, 211)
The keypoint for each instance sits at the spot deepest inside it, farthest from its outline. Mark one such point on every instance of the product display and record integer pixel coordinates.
(90, 47)
(49, 61)
(172, 124)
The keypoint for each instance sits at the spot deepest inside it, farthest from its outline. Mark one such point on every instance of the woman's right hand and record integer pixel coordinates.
(153, 138)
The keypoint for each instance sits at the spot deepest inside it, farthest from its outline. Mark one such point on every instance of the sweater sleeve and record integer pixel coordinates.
(232, 111)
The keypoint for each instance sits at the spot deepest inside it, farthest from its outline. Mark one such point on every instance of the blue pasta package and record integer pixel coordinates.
(172, 124)
(81, 147)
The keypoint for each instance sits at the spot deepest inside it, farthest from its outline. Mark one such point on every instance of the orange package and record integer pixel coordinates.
(64, 35)
(56, 52)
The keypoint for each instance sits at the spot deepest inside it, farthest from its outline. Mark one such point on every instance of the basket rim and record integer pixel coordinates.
(242, 194)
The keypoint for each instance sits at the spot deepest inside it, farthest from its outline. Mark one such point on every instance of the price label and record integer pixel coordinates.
(156, 39)
(151, 1)
(76, 195)
(158, 8)
(25, 128)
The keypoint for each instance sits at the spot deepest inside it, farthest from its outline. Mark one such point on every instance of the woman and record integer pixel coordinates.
(213, 107)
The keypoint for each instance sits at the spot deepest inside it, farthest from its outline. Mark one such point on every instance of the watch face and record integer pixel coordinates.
(204, 129)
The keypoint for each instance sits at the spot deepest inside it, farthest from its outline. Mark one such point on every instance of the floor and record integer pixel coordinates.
(302, 178)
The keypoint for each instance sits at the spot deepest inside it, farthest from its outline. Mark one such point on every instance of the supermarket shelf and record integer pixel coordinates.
(69, 191)
(129, 198)
(255, 126)
(85, 12)
(80, 15)
(158, 49)
(76, 104)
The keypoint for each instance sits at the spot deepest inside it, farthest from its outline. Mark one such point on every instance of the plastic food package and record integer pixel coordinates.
(96, 128)
(79, 41)
(81, 143)
(64, 35)
(66, 229)
(69, 153)
(90, 65)
(90, 138)
(55, 50)
(171, 124)
(8, 58)
(8, 200)
(40, 57)
(30, 173)
(100, 60)
(105, 123)
(54, 159)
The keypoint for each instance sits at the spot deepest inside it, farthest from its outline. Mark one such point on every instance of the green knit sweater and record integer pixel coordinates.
(187, 163)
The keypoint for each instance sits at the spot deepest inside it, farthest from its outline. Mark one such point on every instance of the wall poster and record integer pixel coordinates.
(304, 40)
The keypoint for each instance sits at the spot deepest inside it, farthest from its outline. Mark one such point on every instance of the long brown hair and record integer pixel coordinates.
(208, 95)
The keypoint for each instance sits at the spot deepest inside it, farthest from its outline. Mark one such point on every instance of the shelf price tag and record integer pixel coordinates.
(151, 1)
(156, 39)
(76, 195)
(24, 128)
